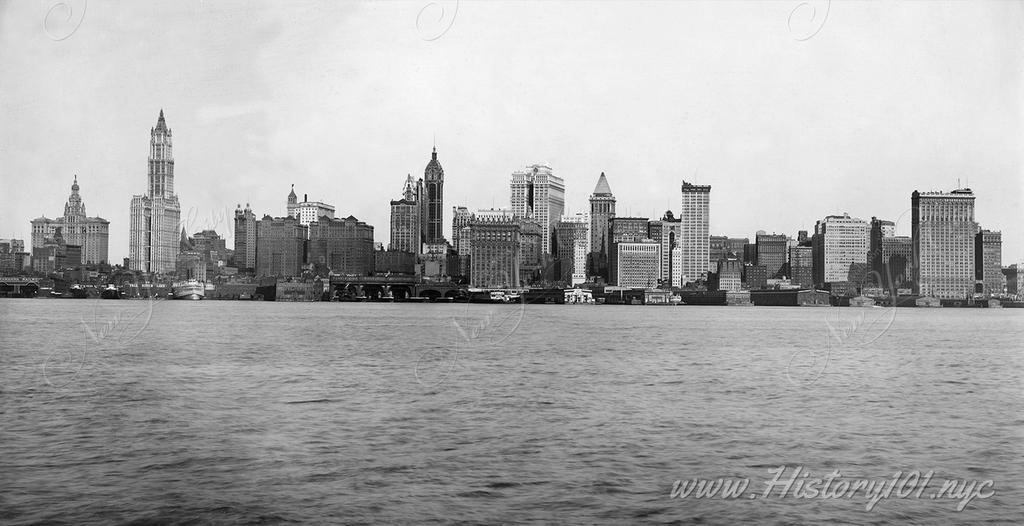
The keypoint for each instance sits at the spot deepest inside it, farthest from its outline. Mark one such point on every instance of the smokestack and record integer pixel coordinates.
(305, 198)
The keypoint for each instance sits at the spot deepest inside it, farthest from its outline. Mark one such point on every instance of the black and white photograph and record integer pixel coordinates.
(436, 262)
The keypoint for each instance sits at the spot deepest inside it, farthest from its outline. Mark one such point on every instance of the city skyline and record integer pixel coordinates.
(236, 145)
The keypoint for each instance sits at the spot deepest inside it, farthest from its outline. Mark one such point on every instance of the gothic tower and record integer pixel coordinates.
(156, 216)
(161, 161)
(433, 181)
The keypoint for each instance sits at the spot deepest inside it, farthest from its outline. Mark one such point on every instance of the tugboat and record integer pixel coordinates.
(188, 290)
(110, 293)
(78, 291)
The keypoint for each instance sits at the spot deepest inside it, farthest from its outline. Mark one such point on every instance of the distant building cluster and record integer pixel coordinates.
(534, 242)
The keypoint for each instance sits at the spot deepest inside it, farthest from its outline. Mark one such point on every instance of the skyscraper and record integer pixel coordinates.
(880, 229)
(602, 209)
(406, 229)
(624, 230)
(461, 217)
(988, 262)
(694, 231)
(943, 231)
(801, 266)
(670, 231)
(839, 243)
(771, 252)
(531, 255)
(342, 246)
(91, 233)
(281, 246)
(573, 241)
(494, 249)
(245, 238)
(155, 216)
(717, 249)
(897, 255)
(433, 182)
(538, 194)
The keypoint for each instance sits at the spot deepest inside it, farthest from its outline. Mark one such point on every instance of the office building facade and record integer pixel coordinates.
(573, 246)
(943, 239)
(988, 262)
(693, 231)
(406, 217)
(838, 243)
(536, 193)
(245, 238)
(624, 230)
(494, 249)
(638, 264)
(280, 246)
(341, 246)
(801, 266)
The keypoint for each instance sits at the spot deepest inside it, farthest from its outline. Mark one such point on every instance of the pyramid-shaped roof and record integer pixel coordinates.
(161, 124)
(602, 187)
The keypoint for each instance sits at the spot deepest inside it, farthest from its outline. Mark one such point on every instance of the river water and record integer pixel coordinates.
(140, 412)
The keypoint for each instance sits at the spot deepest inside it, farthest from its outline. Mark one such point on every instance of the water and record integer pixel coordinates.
(131, 412)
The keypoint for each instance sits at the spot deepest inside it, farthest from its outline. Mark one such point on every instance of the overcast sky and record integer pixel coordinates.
(790, 111)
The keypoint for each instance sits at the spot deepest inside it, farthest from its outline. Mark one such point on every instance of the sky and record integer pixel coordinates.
(791, 111)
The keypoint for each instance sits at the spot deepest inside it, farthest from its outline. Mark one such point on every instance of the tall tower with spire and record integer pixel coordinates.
(76, 228)
(74, 210)
(602, 210)
(156, 215)
(433, 182)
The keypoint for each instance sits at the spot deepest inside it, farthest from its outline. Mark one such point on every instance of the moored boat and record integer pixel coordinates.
(110, 293)
(188, 290)
(78, 291)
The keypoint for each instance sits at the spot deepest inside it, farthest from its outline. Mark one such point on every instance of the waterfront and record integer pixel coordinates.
(238, 412)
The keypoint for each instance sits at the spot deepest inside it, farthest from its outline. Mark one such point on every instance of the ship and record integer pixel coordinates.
(78, 291)
(702, 297)
(111, 293)
(188, 290)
